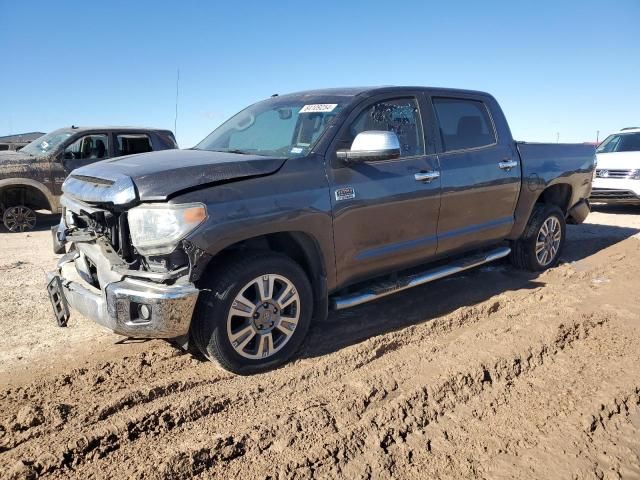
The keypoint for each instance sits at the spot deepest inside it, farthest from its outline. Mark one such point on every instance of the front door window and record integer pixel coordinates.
(86, 150)
(400, 116)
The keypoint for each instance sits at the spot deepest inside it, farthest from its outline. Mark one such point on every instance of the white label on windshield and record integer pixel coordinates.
(318, 108)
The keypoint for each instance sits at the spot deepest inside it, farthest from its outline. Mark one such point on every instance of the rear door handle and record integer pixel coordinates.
(426, 177)
(507, 164)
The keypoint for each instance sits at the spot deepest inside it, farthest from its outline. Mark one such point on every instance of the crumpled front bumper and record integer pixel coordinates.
(118, 304)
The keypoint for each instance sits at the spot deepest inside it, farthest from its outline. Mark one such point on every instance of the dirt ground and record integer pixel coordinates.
(495, 373)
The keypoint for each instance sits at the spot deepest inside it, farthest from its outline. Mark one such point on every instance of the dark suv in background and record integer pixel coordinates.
(31, 179)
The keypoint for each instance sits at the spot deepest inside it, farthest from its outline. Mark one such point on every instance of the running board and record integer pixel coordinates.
(385, 288)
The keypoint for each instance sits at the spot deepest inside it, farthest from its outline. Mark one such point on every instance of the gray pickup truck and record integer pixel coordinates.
(30, 179)
(305, 202)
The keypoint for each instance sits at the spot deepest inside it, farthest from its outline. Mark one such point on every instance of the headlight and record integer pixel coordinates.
(157, 229)
(68, 218)
(635, 174)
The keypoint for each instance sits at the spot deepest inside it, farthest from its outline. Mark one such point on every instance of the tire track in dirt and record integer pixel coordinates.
(87, 395)
(349, 452)
(423, 406)
(91, 384)
(536, 424)
(362, 355)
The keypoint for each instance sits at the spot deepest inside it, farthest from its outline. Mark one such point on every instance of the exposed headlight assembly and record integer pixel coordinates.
(635, 174)
(157, 229)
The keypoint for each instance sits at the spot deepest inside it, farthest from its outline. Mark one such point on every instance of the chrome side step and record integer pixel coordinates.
(387, 288)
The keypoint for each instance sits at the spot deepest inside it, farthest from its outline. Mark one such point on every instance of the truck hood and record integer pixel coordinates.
(155, 176)
(618, 160)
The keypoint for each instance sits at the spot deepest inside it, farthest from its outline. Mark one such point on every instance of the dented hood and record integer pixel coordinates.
(159, 175)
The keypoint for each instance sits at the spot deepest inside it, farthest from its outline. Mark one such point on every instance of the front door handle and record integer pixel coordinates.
(426, 177)
(507, 164)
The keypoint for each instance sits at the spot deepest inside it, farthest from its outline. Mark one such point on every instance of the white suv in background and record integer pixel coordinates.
(617, 176)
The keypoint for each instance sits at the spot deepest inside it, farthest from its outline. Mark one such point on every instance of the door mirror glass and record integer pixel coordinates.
(371, 146)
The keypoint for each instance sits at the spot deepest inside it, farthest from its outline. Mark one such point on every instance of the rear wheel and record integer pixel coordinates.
(19, 218)
(254, 313)
(541, 243)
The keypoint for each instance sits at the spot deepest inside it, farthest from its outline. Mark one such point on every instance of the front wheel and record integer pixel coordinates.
(254, 313)
(541, 243)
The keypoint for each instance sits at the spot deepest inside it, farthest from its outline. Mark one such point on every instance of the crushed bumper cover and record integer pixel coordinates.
(118, 304)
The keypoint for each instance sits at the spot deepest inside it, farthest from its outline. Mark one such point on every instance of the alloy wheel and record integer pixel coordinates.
(19, 219)
(263, 316)
(548, 241)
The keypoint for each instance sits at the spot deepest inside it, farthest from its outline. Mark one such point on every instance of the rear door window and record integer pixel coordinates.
(130, 144)
(463, 123)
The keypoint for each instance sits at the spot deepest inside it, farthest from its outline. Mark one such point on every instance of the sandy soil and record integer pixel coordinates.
(496, 373)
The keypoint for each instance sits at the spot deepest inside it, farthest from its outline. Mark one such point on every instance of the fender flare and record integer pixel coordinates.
(52, 200)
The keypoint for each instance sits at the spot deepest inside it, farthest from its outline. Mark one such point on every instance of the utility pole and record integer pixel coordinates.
(175, 120)
(598, 136)
(557, 137)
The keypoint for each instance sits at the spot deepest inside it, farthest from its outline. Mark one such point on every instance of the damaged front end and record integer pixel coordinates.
(138, 283)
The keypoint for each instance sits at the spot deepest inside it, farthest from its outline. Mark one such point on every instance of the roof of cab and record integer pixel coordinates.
(353, 91)
(75, 129)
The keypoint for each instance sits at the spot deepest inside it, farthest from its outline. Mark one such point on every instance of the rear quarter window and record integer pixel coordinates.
(463, 123)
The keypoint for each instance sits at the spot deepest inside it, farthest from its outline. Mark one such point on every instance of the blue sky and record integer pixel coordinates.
(567, 67)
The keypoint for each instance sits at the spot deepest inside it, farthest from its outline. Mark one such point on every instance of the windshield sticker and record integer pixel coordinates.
(297, 150)
(318, 108)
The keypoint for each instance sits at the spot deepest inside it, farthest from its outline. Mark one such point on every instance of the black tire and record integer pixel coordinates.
(212, 315)
(523, 252)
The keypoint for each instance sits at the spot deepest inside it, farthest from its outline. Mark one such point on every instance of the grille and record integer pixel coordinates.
(606, 173)
(603, 193)
(112, 225)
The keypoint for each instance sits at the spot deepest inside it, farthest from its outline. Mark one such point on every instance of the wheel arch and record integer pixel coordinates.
(300, 246)
(40, 195)
(558, 194)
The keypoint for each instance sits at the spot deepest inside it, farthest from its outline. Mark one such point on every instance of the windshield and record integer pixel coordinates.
(623, 142)
(282, 127)
(46, 144)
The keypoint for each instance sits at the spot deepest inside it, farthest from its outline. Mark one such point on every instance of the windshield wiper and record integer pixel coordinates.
(233, 150)
(236, 150)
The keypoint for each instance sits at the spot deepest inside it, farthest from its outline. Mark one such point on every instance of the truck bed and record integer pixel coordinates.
(546, 164)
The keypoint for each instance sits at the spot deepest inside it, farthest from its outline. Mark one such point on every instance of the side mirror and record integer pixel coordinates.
(371, 146)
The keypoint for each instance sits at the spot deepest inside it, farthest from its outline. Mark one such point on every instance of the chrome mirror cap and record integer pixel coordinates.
(371, 146)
